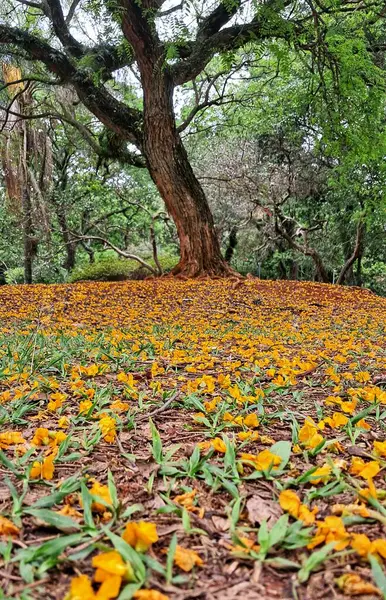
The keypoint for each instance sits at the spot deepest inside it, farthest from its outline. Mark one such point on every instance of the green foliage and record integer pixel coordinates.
(111, 269)
(118, 269)
(14, 276)
(374, 275)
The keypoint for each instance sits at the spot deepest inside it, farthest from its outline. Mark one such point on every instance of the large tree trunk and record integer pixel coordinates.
(181, 191)
(167, 158)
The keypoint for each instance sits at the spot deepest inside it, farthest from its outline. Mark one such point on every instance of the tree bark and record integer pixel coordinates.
(177, 184)
(29, 241)
(166, 157)
(232, 243)
(70, 244)
(356, 253)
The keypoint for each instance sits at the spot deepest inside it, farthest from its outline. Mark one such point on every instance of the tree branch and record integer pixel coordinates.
(55, 13)
(303, 248)
(217, 19)
(201, 51)
(71, 11)
(124, 120)
(116, 249)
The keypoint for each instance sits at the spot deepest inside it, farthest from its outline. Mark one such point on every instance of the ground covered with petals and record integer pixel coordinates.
(192, 439)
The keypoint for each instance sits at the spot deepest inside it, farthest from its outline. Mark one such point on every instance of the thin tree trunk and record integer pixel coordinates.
(359, 272)
(70, 244)
(294, 270)
(28, 237)
(357, 252)
(29, 241)
(321, 271)
(232, 243)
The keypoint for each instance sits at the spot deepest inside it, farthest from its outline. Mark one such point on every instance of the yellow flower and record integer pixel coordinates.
(44, 470)
(111, 563)
(349, 407)
(252, 436)
(309, 435)
(110, 571)
(380, 448)
(332, 529)
(84, 406)
(379, 546)
(363, 376)
(361, 543)
(357, 465)
(262, 461)
(41, 437)
(245, 547)
(219, 445)
(187, 559)
(320, 475)
(56, 401)
(103, 492)
(140, 535)
(251, 421)
(353, 585)
(81, 589)
(126, 378)
(110, 587)
(149, 595)
(9, 438)
(7, 528)
(107, 426)
(306, 515)
(290, 502)
(118, 406)
(63, 423)
(371, 469)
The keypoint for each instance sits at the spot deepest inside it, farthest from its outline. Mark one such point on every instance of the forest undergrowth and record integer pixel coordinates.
(192, 439)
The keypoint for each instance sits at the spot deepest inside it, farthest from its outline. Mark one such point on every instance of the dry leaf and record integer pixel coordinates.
(260, 510)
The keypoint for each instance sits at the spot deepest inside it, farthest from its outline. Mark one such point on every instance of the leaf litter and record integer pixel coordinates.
(192, 439)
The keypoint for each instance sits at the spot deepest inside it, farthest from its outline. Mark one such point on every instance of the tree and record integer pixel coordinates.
(163, 63)
(27, 162)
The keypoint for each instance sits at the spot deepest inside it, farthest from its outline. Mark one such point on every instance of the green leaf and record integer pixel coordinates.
(263, 537)
(112, 489)
(68, 487)
(170, 558)
(282, 449)
(8, 464)
(49, 549)
(54, 519)
(278, 531)
(86, 503)
(157, 443)
(314, 561)
(378, 574)
(130, 510)
(129, 590)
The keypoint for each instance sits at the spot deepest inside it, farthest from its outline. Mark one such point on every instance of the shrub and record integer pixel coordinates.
(374, 276)
(116, 269)
(14, 276)
(111, 269)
